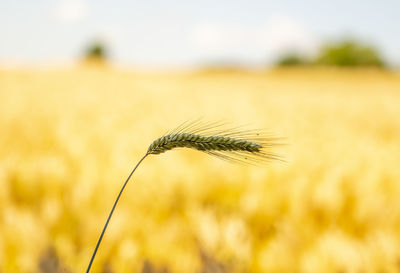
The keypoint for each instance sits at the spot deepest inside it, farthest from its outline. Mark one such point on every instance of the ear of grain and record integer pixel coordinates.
(232, 144)
(202, 143)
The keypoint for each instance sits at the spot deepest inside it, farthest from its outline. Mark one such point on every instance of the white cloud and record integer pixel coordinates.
(284, 34)
(280, 34)
(222, 40)
(71, 11)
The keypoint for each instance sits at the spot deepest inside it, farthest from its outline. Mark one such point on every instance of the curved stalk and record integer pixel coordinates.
(111, 213)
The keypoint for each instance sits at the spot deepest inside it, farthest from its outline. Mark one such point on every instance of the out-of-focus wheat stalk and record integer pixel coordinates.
(232, 144)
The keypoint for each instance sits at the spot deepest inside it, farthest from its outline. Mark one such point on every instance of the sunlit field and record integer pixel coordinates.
(69, 138)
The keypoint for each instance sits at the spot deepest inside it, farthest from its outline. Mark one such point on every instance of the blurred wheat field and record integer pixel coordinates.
(70, 137)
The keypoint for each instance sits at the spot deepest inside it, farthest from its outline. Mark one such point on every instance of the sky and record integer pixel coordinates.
(189, 33)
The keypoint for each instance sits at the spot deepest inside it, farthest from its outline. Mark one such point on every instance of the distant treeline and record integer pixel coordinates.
(96, 51)
(347, 53)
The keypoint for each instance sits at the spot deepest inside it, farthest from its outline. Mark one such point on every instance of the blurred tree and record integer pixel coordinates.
(292, 59)
(349, 53)
(96, 52)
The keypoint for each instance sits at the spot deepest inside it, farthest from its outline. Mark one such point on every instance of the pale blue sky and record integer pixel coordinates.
(187, 33)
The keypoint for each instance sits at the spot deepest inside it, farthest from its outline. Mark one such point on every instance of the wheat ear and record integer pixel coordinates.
(232, 144)
(202, 143)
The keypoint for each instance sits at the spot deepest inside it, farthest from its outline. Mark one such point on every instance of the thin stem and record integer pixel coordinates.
(111, 213)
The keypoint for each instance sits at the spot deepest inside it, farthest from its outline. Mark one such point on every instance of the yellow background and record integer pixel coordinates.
(70, 137)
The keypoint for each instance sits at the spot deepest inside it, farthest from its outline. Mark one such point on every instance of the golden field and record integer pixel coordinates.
(70, 137)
